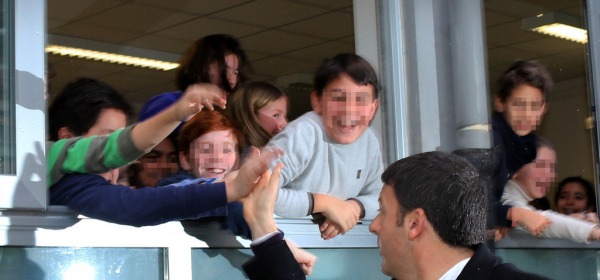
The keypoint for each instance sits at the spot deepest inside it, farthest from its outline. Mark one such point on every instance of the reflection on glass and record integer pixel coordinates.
(82, 263)
(338, 263)
(509, 38)
(7, 142)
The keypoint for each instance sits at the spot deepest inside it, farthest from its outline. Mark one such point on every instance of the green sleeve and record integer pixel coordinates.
(95, 154)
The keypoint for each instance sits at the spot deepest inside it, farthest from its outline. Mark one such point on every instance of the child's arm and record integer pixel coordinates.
(93, 196)
(341, 215)
(531, 220)
(98, 154)
(566, 227)
(152, 131)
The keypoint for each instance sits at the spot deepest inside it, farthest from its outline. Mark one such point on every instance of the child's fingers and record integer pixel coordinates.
(323, 226)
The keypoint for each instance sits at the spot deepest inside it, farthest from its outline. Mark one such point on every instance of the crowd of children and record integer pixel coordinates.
(198, 151)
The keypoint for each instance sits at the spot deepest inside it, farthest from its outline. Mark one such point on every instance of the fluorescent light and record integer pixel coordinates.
(111, 57)
(558, 25)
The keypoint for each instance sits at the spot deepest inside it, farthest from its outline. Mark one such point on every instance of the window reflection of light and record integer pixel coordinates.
(79, 271)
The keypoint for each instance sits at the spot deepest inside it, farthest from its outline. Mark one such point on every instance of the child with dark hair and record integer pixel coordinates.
(575, 196)
(89, 107)
(92, 195)
(70, 118)
(332, 158)
(519, 107)
(533, 181)
(217, 59)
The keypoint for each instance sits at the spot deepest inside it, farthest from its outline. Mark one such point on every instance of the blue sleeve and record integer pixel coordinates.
(235, 221)
(92, 196)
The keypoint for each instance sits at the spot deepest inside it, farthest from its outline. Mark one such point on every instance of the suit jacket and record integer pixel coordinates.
(485, 265)
(273, 260)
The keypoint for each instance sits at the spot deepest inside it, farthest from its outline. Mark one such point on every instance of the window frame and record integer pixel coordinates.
(27, 188)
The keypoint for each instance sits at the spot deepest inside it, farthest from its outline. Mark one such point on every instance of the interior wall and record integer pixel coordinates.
(564, 126)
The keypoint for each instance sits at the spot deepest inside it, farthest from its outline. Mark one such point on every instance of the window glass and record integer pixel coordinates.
(510, 37)
(82, 263)
(338, 263)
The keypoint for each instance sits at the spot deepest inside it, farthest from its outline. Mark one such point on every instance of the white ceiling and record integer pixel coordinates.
(281, 37)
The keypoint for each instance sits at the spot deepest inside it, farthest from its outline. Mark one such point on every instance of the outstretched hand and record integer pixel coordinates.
(259, 205)
(250, 172)
(305, 259)
(197, 97)
(531, 220)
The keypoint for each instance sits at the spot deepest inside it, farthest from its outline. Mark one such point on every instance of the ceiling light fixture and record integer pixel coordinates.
(558, 25)
(111, 57)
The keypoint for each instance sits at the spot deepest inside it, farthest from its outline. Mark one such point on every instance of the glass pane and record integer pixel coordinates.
(81, 263)
(572, 264)
(7, 103)
(510, 37)
(337, 263)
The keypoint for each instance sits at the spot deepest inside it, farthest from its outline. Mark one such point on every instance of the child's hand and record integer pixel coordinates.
(500, 232)
(531, 220)
(305, 259)
(249, 174)
(343, 213)
(591, 217)
(198, 96)
(595, 234)
(329, 229)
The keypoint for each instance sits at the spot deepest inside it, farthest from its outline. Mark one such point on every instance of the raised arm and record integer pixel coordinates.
(196, 97)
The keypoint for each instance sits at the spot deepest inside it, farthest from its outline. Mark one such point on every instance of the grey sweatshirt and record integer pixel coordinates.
(314, 163)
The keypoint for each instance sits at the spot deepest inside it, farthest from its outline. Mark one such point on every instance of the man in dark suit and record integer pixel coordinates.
(431, 224)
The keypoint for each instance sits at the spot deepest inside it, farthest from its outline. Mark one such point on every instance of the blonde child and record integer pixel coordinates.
(261, 109)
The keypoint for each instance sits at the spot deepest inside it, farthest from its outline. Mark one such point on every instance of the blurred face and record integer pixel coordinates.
(232, 64)
(158, 163)
(273, 116)
(108, 122)
(346, 108)
(535, 178)
(572, 199)
(523, 109)
(391, 236)
(211, 155)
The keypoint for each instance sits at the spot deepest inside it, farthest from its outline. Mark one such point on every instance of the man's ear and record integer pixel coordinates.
(315, 102)
(499, 105)
(415, 221)
(184, 161)
(65, 133)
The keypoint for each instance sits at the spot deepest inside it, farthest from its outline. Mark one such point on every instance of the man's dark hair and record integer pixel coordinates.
(346, 63)
(79, 105)
(524, 72)
(447, 188)
(195, 62)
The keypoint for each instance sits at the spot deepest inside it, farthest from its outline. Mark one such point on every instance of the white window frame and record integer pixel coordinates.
(27, 188)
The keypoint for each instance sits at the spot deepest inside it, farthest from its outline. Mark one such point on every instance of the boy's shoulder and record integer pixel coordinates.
(303, 125)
